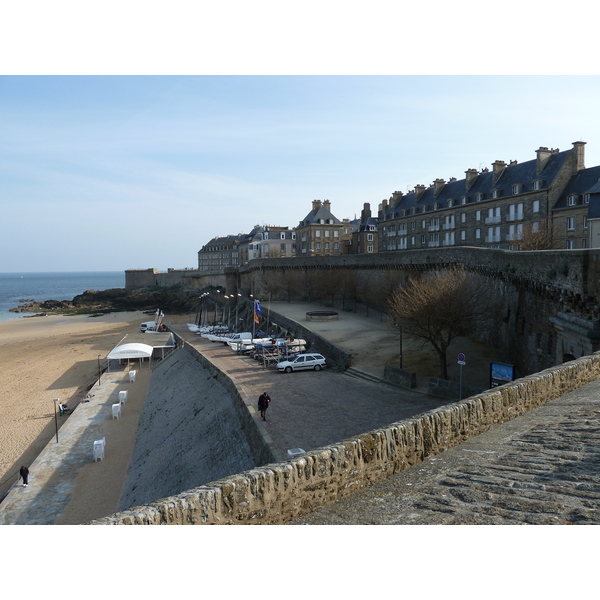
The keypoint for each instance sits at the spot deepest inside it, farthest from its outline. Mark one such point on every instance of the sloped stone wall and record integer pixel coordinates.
(277, 493)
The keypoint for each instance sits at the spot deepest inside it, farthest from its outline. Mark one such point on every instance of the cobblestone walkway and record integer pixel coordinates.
(542, 468)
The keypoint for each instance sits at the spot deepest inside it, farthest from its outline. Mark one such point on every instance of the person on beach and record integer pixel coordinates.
(24, 473)
(263, 404)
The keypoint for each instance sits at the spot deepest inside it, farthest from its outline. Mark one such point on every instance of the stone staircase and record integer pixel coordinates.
(351, 372)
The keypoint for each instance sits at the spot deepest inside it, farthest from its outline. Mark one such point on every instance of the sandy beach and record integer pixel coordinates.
(42, 358)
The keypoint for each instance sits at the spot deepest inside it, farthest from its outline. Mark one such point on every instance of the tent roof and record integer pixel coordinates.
(132, 351)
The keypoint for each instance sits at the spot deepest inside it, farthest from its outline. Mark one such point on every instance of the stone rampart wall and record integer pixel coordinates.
(278, 493)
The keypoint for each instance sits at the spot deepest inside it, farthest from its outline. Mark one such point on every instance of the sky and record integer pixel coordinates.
(105, 169)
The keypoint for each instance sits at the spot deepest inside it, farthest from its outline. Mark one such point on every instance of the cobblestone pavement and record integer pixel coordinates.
(540, 468)
(312, 409)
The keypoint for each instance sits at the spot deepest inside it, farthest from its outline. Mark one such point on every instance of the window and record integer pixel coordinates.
(318, 245)
(318, 233)
(478, 197)
(326, 245)
(477, 234)
(585, 222)
(536, 206)
(423, 224)
(570, 244)
(464, 200)
(570, 223)
(423, 208)
(327, 232)
(535, 227)
(413, 225)
(572, 200)
(282, 248)
(283, 236)
(537, 184)
(495, 194)
(436, 206)
(478, 215)
(516, 188)
(370, 248)
(463, 235)
(450, 203)
(584, 243)
(586, 198)
(369, 237)
(336, 245)
(463, 217)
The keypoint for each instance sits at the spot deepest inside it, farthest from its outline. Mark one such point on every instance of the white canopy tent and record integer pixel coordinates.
(129, 351)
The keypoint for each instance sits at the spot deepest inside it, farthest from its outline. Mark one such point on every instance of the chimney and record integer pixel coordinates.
(471, 177)
(419, 189)
(438, 186)
(498, 167)
(327, 205)
(382, 209)
(579, 150)
(366, 212)
(315, 205)
(543, 154)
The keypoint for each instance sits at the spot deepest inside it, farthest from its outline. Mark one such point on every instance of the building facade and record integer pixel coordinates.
(320, 233)
(504, 207)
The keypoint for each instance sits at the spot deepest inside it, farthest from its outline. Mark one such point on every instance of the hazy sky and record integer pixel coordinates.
(113, 170)
(117, 172)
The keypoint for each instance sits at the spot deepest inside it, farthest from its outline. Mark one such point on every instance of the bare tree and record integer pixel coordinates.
(539, 238)
(440, 306)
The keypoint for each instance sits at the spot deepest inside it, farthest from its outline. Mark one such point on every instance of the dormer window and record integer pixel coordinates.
(495, 193)
(464, 200)
(450, 203)
(423, 208)
(586, 198)
(403, 212)
(478, 197)
(572, 200)
(537, 184)
(516, 188)
(436, 206)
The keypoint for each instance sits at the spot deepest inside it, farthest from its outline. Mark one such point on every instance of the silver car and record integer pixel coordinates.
(303, 361)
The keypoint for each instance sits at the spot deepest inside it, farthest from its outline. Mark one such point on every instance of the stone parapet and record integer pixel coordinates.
(278, 493)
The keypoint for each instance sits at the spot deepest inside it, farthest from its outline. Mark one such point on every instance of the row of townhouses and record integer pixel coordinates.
(552, 201)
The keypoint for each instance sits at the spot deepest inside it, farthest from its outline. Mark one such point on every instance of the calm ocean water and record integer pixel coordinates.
(51, 286)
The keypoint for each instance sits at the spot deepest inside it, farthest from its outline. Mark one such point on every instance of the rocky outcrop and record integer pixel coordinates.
(173, 299)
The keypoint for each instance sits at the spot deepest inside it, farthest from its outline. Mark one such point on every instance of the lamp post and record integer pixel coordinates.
(99, 371)
(56, 419)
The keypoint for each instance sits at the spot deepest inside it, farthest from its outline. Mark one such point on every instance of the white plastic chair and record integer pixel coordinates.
(99, 449)
(123, 397)
(132, 376)
(116, 410)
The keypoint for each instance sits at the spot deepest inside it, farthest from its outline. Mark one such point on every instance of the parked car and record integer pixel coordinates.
(303, 361)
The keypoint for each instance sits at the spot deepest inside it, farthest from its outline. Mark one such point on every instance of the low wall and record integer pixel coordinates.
(400, 377)
(277, 493)
(443, 388)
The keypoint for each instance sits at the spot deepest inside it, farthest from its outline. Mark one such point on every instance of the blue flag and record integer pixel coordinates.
(257, 307)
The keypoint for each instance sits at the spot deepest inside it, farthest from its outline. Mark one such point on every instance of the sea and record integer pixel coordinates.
(16, 288)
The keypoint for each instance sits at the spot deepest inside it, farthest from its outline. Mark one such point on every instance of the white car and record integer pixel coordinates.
(303, 361)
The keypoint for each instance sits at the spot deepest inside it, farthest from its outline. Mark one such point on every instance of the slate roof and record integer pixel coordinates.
(322, 212)
(524, 174)
(581, 183)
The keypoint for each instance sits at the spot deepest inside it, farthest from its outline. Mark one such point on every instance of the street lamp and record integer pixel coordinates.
(56, 419)
(99, 371)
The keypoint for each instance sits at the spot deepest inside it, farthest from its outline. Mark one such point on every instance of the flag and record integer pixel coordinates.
(256, 312)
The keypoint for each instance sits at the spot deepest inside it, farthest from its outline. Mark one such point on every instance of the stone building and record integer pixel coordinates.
(221, 252)
(365, 238)
(321, 233)
(494, 208)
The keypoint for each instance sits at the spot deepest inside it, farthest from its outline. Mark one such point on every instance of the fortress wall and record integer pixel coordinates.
(190, 433)
(277, 493)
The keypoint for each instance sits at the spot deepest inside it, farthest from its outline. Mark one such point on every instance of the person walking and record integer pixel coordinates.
(24, 472)
(263, 404)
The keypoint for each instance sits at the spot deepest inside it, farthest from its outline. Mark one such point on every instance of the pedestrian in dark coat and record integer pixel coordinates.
(24, 472)
(263, 404)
